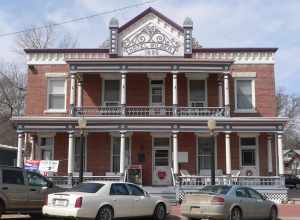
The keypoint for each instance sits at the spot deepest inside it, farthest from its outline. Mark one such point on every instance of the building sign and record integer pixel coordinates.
(42, 166)
(150, 39)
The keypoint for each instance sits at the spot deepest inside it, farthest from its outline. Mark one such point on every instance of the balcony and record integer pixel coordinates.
(150, 111)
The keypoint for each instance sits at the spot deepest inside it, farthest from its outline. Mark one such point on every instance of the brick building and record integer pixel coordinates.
(147, 100)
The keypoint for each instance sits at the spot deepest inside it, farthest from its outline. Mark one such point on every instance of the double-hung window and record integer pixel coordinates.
(56, 93)
(111, 92)
(245, 94)
(116, 142)
(248, 151)
(197, 93)
(46, 146)
(157, 92)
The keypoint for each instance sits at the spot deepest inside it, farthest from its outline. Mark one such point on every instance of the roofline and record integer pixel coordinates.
(67, 50)
(236, 49)
(149, 10)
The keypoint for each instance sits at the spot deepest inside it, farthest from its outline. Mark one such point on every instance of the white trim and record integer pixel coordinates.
(103, 90)
(114, 135)
(188, 91)
(201, 135)
(243, 74)
(160, 134)
(256, 148)
(253, 95)
(63, 110)
(163, 91)
(110, 76)
(156, 76)
(196, 76)
(56, 74)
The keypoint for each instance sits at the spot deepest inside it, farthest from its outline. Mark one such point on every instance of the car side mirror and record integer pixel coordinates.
(147, 194)
(50, 184)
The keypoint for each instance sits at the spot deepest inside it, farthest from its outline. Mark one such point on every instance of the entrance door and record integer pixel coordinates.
(161, 173)
(205, 145)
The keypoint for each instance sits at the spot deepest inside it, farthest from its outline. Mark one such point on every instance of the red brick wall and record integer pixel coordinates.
(92, 85)
(187, 143)
(61, 152)
(98, 153)
(36, 97)
(137, 89)
(264, 89)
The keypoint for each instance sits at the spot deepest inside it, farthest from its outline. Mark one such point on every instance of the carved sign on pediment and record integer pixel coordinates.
(150, 39)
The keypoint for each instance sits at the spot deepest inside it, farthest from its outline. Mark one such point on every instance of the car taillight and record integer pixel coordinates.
(78, 202)
(218, 200)
(46, 200)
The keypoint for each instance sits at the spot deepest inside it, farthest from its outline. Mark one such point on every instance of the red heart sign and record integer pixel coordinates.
(161, 174)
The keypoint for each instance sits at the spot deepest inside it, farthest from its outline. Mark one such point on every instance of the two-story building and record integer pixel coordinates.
(147, 99)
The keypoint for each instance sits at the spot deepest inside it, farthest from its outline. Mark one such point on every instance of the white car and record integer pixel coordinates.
(105, 201)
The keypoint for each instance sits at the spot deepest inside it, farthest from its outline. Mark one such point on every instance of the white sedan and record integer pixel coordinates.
(105, 201)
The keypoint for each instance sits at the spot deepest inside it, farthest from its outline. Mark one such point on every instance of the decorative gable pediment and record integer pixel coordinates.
(151, 36)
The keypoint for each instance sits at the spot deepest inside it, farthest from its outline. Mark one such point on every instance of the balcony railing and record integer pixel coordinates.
(150, 111)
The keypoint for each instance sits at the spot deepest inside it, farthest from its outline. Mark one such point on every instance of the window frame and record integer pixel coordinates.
(118, 194)
(111, 149)
(46, 147)
(13, 170)
(253, 96)
(189, 91)
(254, 147)
(56, 77)
(103, 92)
(130, 191)
(163, 86)
(85, 155)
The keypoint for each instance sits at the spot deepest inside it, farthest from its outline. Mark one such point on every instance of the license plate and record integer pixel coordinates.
(195, 210)
(60, 202)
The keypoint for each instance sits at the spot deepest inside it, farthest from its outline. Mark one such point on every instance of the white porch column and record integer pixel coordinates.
(20, 149)
(123, 91)
(175, 152)
(79, 92)
(228, 153)
(280, 155)
(32, 150)
(122, 152)
(71, 154)
(72, 94)
(226, 94)
(270, 160)
(220, 94)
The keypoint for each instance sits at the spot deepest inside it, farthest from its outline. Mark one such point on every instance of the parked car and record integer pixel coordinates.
(105, 200)
(292, 181)
(23, 191)
(228, 202)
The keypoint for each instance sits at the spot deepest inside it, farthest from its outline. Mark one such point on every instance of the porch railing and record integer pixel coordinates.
(64, 180)
(150, 111)
(254, 181)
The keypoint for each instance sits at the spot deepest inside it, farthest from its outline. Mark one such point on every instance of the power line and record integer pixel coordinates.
(77, 19)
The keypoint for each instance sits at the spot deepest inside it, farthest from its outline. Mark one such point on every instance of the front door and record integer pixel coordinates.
(161, 174)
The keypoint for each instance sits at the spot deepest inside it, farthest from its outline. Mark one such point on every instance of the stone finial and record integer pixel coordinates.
(188, 22)
(113, 23)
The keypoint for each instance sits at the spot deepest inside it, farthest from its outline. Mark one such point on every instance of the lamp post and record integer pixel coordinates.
(211, 124)
(82, 125)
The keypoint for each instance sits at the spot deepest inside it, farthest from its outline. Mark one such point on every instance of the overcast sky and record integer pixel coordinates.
(230, 23)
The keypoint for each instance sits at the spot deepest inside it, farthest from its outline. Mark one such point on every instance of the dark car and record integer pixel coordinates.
(23, 191)
(292, 181)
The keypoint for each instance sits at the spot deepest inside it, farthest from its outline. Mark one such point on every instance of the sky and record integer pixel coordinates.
(217, 23)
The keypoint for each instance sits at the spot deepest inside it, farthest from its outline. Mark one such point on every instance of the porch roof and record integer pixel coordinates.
(153, 124)
(148, 64)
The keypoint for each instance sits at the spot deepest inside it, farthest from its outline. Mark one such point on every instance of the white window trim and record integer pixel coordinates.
(163, 91)
(114, 135)
(86, 152)
(188, 90)
(250, 147)
(198, 135)
(236, 109)
(48, 147)
(56, 77)
(103, 89)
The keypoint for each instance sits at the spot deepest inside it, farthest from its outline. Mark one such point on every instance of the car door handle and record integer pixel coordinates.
(33, 190)
(5, 188)
(114, 199)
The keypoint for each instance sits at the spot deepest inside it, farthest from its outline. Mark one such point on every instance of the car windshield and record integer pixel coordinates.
(87, 187)
(220, 190)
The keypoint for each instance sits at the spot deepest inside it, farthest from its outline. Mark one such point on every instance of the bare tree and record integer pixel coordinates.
(289, 106)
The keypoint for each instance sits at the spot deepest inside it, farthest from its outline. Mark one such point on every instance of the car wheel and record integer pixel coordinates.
(2, 208)
(105, 213)
(236, 214)
(36, 216)
(159, 212)
(273, 213)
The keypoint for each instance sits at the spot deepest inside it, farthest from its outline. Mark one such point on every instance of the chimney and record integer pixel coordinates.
(188, 37)
(114, 29)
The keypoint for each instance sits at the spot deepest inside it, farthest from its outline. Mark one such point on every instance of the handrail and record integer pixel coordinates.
(150, 111)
